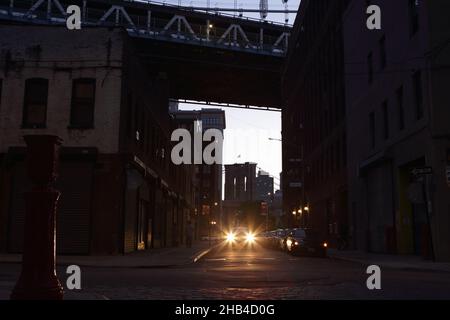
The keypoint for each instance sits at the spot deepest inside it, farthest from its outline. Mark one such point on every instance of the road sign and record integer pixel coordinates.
(420, 171)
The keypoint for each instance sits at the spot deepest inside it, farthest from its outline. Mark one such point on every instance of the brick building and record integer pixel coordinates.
(314, 180)
(207, 180)
(120, 191)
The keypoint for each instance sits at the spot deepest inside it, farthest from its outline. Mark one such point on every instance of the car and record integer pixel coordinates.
(280, 238)
(263, 239)
(270, 239)
(240, 237)
(306, 242)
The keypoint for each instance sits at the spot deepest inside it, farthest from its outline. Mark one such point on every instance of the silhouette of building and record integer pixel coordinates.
(264, 186)
(240, 181)
(314, 125)
(208, 178)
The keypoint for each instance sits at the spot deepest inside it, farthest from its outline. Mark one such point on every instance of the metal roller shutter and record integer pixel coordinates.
(20, 184)
(73, 211)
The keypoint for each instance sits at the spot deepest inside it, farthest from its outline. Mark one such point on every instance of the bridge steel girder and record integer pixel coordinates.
(154, 21)
(215, 75)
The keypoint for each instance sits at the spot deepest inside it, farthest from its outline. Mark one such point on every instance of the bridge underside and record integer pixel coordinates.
(206, 57)
(214, 75)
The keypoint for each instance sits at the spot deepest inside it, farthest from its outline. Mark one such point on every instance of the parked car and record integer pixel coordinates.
(283, 238)
(263, 239)
(280, 238)
(306, 242)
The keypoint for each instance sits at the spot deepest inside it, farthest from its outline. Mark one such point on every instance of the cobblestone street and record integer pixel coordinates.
(248, 274)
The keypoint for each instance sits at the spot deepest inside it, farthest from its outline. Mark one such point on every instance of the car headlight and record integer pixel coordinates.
(289, 242)
(325, 244)
(250, 237)
(296, 243)
(230, 237)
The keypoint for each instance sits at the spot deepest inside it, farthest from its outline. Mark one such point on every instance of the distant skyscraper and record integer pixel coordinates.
(264, 186)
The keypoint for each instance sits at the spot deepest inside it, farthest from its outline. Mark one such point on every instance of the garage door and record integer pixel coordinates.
(73, 212)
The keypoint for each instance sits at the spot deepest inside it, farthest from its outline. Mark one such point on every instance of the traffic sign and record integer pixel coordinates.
(420, 171)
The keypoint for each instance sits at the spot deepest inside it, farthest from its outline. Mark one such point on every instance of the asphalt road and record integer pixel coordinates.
(249, 274)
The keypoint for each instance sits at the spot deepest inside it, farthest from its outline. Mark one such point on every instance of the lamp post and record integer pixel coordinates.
(38, 279)
(306, 210)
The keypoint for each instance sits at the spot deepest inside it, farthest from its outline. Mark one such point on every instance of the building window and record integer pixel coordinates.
(385, 112)
(372, 129)
(383, 59)
(413, 16)
(418, 96)
(35, 103)
(400, 109)
(370, 67)
(83, 103)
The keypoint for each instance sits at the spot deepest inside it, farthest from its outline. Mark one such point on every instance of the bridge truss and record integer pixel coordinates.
(159, 22)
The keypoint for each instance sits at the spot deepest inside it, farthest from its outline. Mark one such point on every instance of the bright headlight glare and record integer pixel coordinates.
(250, 237)
(289, 242)
(230, 237)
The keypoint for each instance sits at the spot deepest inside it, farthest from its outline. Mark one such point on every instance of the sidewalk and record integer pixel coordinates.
(152, 258)
(404, 262)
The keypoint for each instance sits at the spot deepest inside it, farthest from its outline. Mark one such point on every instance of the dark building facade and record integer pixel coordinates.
(120, 192)
(314, 180)
(207, 177)
(398, 120)
(240, 181)
(264, 186)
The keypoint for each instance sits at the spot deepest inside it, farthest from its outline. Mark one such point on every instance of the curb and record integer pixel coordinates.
(189, 260)
(203, 253)
(384, 265)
